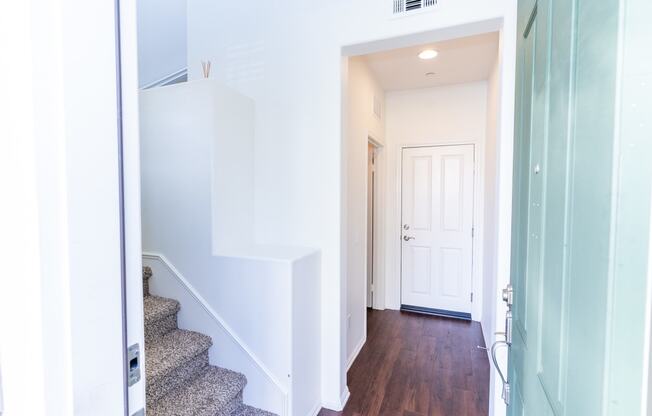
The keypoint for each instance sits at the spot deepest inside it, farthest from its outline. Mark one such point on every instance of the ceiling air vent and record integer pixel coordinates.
(404, 6)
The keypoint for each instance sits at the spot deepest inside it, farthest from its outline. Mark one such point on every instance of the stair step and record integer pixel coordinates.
(245, 410)
(216, 392)
(160, 316)
(173, 360)
(147, 273)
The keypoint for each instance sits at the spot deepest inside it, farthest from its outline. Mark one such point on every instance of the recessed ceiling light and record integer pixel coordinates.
(428, 54)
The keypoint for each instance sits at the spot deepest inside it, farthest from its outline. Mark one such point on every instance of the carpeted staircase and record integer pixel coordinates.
(180, 380)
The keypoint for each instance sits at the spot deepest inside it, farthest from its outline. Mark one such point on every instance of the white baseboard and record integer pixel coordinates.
(315, 410)
(356, 352)
(345, 397)
(338, 407)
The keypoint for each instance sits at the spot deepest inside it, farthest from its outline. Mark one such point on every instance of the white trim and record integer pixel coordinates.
(477, 270)
(166, 80)
(646, 394)
(646, 390)
(356, 352)
(2, 406)
(379, 242)
(218, 319)
(338, 407)
(344, 398)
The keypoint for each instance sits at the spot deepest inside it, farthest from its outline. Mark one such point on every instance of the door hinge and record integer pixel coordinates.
(471, 297)
(472, 232)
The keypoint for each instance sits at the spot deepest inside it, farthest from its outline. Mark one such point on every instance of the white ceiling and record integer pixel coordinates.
(460, 60)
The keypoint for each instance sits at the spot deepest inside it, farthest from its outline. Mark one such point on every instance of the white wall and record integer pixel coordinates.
(503, 218)
(162, 39)
(362, 123)
(197, 198)
(490, 238)
(289, 60)
(452, 114)
(204, 153)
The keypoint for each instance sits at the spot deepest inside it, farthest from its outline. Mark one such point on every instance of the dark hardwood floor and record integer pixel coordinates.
(417, 365)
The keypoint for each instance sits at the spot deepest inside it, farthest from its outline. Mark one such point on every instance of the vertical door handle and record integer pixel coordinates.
(508, 328)
(506, 388)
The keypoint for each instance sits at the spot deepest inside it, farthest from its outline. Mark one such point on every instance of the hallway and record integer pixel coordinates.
(415, 365)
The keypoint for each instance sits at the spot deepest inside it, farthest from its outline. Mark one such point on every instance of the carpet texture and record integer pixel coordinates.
(180, 380)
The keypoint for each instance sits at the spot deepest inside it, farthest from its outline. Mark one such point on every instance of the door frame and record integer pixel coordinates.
(128, 169)
(478, 217)
(378, 225)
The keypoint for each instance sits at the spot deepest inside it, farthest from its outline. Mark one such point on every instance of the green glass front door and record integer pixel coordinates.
(570, 312)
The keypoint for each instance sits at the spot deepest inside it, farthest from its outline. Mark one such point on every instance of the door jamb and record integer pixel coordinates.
(378, 225)
(478, 218)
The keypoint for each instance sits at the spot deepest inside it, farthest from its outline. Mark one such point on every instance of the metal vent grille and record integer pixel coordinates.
(403, 6)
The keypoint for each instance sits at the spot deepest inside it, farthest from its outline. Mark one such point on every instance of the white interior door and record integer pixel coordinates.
(437, 227)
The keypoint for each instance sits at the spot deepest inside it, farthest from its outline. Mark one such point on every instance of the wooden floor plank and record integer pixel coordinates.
(417, 365)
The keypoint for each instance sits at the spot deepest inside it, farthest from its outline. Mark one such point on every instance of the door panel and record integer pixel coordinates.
(422, 194)
(437, 209)
(554, 302)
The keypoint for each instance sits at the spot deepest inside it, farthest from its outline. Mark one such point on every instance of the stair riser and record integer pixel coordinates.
(147, 273)
(231, 406)
(154, 330)
(209, 410)
(176, 378)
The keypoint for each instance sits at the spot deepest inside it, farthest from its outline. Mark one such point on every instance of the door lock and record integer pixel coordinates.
(407, 238)
(508, 295)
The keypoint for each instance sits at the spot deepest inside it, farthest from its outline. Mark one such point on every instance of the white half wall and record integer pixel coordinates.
(362, 123)
(199, 159)
(162, 39)
(452, 114)
(266, 388)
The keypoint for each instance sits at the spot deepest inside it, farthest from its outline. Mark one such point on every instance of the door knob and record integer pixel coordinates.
(407, 238)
